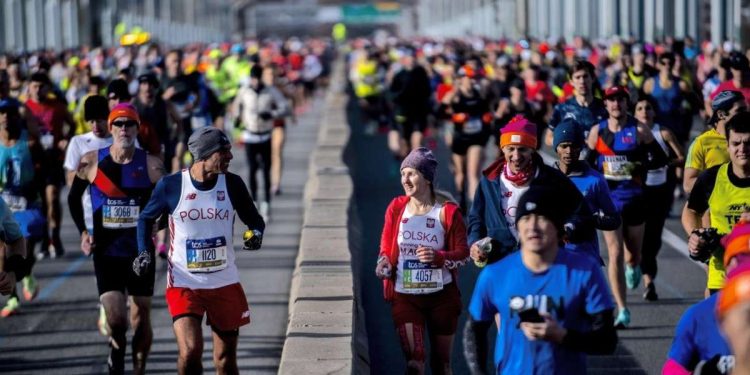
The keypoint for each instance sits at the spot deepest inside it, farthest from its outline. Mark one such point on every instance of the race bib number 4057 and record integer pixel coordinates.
(422, 276)
(206, 255)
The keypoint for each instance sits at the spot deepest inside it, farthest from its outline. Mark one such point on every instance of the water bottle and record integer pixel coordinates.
(485, 246)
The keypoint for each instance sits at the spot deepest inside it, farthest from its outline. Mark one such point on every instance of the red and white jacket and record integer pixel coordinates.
(455, 255)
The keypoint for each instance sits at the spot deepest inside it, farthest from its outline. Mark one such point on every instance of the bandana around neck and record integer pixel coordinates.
(520, 178)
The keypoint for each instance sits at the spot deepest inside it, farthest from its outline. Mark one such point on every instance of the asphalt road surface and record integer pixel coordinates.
(57, 332)
(642, 348)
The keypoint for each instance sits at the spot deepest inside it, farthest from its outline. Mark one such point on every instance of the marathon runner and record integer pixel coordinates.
(410, 94)
(21, 166)
(619, 145)
(13, 265)
(663, 156)
(121, 178)
(202, 278)
(51, 116)
(471, 118)
(722, 191)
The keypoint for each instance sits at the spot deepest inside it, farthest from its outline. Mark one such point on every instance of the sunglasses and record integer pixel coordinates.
(124, 124)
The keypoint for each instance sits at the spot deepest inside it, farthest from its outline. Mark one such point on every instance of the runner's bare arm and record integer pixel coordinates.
(87, 166)
(156, 168)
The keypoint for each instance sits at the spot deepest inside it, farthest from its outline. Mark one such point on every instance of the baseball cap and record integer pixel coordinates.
(616, 91)
(724, 102)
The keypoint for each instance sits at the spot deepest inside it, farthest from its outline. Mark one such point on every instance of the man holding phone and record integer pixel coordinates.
(553, 305)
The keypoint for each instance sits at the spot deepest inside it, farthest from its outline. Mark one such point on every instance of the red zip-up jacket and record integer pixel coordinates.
(455, 255)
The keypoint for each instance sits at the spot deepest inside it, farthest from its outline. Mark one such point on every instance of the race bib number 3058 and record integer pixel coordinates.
(206, 255)
(421, 276)
(120, 213)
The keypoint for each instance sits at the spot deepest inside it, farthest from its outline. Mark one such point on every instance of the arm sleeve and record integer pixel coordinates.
(475, 345)
(601, 339)
(154, 208)
(704, 185)
(77, 189)
(243, 204)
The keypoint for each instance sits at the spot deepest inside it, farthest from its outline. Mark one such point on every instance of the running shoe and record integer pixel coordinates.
(102, 322)
(44, 254)
(56, 250)
(650, 293)
(623, 319)
(30, 287)
(11, 307)
(632, 276)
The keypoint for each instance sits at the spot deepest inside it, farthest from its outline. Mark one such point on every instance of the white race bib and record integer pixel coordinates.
(421, 277)
(616, 167)
(473, 126)
(15, 202)
(206, 255)
(120, 213)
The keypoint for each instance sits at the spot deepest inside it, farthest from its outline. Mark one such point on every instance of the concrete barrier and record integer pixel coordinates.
(322, 306)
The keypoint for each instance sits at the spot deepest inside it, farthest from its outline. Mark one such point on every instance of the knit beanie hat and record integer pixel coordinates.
(123, 110)
(737, 241)
(542, 201)
(207, 140)
(567, 131)
(423, 161)
(518, 131)
(735, 291)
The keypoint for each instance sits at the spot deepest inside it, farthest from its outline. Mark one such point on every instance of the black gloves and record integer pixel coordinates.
(711, 242)
(253, 239)
(142, 263)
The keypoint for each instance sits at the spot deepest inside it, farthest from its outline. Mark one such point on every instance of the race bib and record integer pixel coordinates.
(120, 213)
(421, 277)
(473, 126)
(15, 202)
(47, 140)
(616, 167)
(206, 255)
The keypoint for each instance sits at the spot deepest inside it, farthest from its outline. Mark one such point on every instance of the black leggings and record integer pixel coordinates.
(259, 156)
(658, 203)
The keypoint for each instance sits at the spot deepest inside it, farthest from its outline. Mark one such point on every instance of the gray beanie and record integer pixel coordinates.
(423, 161)
(207, 140)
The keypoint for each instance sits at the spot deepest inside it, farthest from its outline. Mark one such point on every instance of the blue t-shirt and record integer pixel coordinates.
(571, 290)
(697, 336)
(586, 116)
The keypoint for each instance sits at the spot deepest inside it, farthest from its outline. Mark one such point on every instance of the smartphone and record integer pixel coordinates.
(530, 316)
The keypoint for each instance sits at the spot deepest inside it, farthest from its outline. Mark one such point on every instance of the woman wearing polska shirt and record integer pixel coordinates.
(422, 246)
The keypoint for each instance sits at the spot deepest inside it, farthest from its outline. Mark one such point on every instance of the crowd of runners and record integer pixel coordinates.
(142, 137)
(550, 145)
